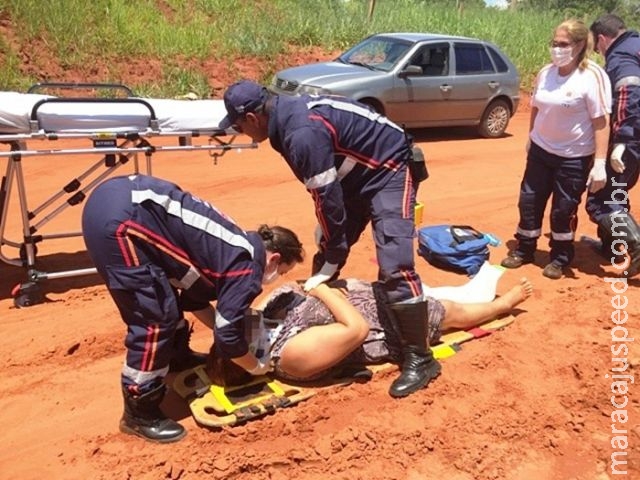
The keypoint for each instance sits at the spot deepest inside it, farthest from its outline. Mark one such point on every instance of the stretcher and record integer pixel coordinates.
(217, 406)
(109, 122)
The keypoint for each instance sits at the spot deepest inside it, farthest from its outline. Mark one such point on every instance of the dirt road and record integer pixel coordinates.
(530, 402)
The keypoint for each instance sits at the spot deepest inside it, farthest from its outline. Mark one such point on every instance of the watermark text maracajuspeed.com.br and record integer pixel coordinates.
(620, 340)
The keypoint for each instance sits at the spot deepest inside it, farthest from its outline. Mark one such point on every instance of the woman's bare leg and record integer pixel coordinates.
(465, 316)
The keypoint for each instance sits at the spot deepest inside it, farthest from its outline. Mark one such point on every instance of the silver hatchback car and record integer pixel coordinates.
(418, 80)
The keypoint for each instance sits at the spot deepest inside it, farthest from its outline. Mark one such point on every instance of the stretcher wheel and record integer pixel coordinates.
(27, 294)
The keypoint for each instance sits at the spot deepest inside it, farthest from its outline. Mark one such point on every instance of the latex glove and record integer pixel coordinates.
(615, 160)
(317, 235)
(326, 272)
(263, 367)
(598, 175)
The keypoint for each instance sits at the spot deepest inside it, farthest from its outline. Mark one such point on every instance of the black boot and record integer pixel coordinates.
(143, 417)
(418, 366)
(605, 242)
(183, 357)
(625, 228)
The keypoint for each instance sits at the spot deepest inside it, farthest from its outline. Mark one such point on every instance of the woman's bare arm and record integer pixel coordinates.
(323, 346)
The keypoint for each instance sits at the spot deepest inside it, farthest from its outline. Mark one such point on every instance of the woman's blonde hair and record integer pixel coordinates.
(578, 32)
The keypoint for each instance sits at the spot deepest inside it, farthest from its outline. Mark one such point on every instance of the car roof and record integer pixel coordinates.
(419, 37)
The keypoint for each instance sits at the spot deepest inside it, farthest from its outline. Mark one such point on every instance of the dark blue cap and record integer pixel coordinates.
(241, 98)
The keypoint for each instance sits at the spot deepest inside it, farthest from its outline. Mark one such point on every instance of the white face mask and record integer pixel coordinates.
(268, 278)
(561, 56)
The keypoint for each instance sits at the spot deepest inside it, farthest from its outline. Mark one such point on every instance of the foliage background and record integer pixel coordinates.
(181, 34)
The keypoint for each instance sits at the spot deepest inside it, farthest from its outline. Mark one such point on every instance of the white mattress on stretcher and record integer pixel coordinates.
(85, 117)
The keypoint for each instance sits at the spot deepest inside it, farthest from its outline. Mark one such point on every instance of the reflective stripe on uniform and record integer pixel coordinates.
(189, 278)
(346, 167)
(325, 178)
(193, 219)
(139, 377)
(220, 320)
(563, 236)
(529, 233)
(354, 108)
(625, 81)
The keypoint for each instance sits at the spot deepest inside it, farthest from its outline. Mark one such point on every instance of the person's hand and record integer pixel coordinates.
(317, 235)
(598, 175)
(326, 272)
(615, 160)
(262, 368)
(528, 146)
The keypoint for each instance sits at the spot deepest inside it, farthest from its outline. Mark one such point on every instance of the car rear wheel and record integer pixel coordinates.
(495, 119)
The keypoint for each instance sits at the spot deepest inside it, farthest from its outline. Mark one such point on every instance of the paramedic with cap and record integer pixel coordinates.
(162, 251)
(355, 163)
(609, 208)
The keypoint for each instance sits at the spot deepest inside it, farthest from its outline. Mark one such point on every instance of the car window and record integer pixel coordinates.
(501, 65)
(472, 59)
(432, 59)
(379, 53)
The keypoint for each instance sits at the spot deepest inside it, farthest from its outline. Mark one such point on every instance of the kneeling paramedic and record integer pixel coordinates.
(162, 251)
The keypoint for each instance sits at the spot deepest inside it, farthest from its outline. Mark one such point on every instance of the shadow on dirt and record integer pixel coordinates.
(587, 260)
(441, 134)
(57, 266)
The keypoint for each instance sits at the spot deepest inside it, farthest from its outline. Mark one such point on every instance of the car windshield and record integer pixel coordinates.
(376, 53)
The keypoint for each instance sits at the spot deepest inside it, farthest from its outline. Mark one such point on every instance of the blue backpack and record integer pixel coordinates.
(459, 248)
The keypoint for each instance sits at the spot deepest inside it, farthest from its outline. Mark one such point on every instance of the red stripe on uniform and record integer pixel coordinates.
(319, 213)
(406, 196)
(125, 247)
(150, 348)
(177, 253)
(357, 156)
(412, 280)
(623, 97)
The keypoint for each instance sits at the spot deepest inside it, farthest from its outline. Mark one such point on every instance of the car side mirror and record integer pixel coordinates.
(410, 71)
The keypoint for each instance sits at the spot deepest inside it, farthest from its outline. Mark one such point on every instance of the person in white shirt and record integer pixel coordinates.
(567, 146)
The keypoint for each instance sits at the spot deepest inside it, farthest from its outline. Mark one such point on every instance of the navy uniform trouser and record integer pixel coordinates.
(391, 212)
(614, 197)
(564, 180)
(140, 289)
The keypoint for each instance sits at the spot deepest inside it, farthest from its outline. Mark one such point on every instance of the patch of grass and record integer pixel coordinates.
(77, 31)
(176, 82)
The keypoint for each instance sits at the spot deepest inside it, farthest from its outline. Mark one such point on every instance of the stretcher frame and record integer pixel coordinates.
(216, 406)
(114, 149)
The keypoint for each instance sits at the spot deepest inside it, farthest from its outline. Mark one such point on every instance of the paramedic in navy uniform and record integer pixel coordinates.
(609, 208)
(358, 167)
(162, 251)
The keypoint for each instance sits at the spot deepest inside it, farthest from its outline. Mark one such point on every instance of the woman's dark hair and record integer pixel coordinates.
(224, 372)
(281, 240)
(282, 301)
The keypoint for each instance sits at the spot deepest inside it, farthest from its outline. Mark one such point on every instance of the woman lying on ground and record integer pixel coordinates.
(344, 324)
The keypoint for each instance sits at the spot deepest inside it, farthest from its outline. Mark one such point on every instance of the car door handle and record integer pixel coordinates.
(493, 84)
(445, 88)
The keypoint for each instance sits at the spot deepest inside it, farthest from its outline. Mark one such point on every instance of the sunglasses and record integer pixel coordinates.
(560, 44)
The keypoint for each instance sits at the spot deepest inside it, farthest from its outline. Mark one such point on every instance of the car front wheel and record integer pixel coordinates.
(374, 104)
(495, 119)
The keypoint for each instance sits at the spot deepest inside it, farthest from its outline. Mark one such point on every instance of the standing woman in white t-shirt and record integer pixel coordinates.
(567, 147)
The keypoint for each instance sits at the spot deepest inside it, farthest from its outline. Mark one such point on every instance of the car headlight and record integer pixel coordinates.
(311, 90)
